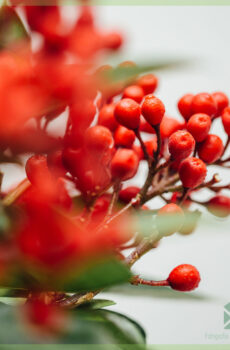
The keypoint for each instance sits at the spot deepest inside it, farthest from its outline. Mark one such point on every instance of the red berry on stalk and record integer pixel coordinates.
(219, 206)
(98, 138)
(124, 137)
(185, 106)
(128, 193)
(221, 100)
(181, 144)
(192, 172)
(226, 120)
(127, 113)
(211, 149)
(124, 164)
(148, 83)
(169, 219)
(106, 117)
(153, 110)
(199, 125)
(204, 103)
(184, 278)
(134, 92)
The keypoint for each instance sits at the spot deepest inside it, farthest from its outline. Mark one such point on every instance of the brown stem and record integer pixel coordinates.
(12, 196)
(76, 300)
(115, 195)
(144, 149)
(136, 280)
(145, 246)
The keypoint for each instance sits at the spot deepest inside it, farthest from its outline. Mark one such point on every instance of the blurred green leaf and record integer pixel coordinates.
(98, 304)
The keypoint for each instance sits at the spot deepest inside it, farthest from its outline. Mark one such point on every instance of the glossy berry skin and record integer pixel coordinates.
(128, 193)
(153, 110)
(127, 113)
(219, 206)
(184, 278)
(148, 83)
(98, 138)
(169, 219)
(192, 172)
(181, 144)
(106, 117)
(204, 103)
(134, 92)
(211, 149)
(221, 100)
(185, 106)
(199, 125)
(124, 137)
(124, 164)
(226, 120)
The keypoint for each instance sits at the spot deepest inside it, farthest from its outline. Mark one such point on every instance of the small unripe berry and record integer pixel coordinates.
(148, 82)
(199, 125)
(106, 117)
(219, 206)
(127, 113)
(153, 110)
(226, 120)
(134, 92)
(124, 164)
(184, 278)
(124, 137)
(221, 100)
(211, 149)
(185, 106)
(169, 219)
(204, 103)
(98, 138)
(128, 193)
(192, 172)
(181, 144)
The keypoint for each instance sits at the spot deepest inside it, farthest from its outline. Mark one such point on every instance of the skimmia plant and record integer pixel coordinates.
(73, 227)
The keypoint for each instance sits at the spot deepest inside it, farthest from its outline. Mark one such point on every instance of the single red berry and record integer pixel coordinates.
(226, 120)
(169, 126)
(134, 92)
(127, 113)
(192, 172)
(128, 193)
(151, 146)
(37, 169)
(169, 219)
(55, 163)
(124, 137)
(146, 127)
(98, 138)
(184, 278)
(153, 110)
(211, 149)
(221, 100)
(148, 82)
(204, 103)
(219, 206)
(113, 41)
(124, 164)
(185, 106)
(106, 117)
(71, 159)
(181, 144)
(199, 125)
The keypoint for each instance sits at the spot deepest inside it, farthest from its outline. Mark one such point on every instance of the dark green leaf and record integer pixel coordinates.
(98, 304)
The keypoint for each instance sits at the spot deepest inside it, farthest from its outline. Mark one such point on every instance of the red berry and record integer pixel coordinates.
(127, 113)
(211, 149)
(128, 193)
(124, 164)
(199, 126)
(181, 144)
(134, 92)
(106, 117)
(226, 120)
(98, 138)
(124, 137)
(184, 278)
(169, 219)
(219, 206)
(192, 172)
(148, 82)
(185, 106)
(146, 127)
(204, 103)
(55, 163)
(221, 100)
(113, 41)
(37, 170)
(169, 126)
(153, 110)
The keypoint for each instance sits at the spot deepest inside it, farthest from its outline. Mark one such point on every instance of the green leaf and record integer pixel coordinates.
(98, 304)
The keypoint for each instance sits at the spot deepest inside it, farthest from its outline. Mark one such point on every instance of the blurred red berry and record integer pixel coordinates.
(219, 206)
(192, 172)
(204, 103)
(199, 125)
(153, 110)
(184, 278)
(124, 137)
(169, 126)
(169, 219)
(112, 41)
(181, 144)
(106, 117)
(185, 106)
(134, 92)
(55, 163)
(221, 100)
(124, 164)
(127, 113)
(146, 127)
(148, 83)
(226, 120)
(98, 138)
(128, 193)
(211, 149)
